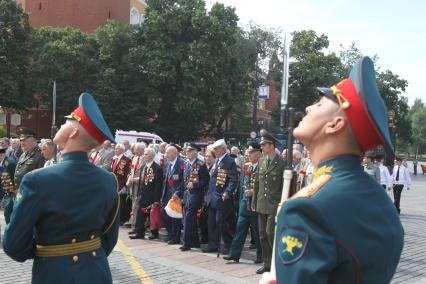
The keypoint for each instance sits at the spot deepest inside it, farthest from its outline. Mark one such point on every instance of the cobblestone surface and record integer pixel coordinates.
(166, 264)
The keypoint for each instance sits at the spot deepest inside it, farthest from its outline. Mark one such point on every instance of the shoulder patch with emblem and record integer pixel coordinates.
(310, 190)
(291, 245)
(18, 196)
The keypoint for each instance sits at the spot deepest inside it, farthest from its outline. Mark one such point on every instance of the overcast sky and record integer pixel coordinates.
(394, 30)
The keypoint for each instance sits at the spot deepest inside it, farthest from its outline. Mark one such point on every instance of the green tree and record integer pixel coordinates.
(120, 83)
(68, 56)
(193, 70)
(14, 55)
(310, 67)
(418, 125)
(391, 88)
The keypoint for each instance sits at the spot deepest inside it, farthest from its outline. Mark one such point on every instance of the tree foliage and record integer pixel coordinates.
(66, 55)
(14, 55)
(418, 125)
(311, 67)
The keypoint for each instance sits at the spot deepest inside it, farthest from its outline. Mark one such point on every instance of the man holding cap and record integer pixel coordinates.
(267, 194)
(342, 228)
(222, 186)
(196, 182)
(65, 216)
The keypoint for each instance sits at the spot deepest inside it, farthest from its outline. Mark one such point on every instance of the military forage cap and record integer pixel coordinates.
(365, 110)
(267, 137)
(25, 132)
(90, 118)
(193, 146)
(253, 146)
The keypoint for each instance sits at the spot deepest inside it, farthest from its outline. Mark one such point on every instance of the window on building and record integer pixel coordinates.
(142, 18)
(134, 16)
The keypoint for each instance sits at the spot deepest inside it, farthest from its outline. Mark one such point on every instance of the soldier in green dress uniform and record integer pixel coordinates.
(342, 228)
(267, 194)
(31, 157)
(65, 216)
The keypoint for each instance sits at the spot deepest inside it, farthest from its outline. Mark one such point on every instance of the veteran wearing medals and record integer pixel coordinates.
(31, 157)
(65, 216)
(149, 193)
(173, 188)
(247, 218)
(121, 165)
(196, 182)
(267, 195)
(342, 228)
(222, 186)
(7, 188)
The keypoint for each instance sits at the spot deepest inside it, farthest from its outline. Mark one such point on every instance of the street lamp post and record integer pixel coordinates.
(389, 159)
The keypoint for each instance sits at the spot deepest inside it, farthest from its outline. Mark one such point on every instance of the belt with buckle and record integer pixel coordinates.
(68, 249)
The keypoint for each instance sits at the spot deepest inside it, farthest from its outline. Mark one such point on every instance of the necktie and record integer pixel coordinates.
(137, 163)
(267, 162)
(397, 174)
(115, 164)
(170, 170)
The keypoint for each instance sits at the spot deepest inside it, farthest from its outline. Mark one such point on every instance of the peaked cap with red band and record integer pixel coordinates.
(90, 118)
(365, 109)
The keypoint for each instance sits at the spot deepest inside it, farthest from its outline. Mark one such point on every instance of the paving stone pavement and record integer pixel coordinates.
(166, 264)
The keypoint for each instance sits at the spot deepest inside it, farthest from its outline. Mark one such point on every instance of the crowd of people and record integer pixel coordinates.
(337, 224)
(213, 194)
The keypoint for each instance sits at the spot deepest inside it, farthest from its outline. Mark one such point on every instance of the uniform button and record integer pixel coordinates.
(75, 258)
(94, 253)
(74, 240)
(92, 237)
(265, 194)
(266, 175)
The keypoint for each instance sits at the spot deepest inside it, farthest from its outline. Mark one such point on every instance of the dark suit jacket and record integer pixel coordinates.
(199, 175)
(150, 185)
(227, 173)
(173, 181)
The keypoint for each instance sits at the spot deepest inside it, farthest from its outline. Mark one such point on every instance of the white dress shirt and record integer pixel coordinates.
(404, 175)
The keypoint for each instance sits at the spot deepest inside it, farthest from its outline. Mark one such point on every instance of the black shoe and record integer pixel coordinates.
(252, 246)
(153, 237)
(257, 261)
(131, 232)
(207, 250)
(142, 237)
(262, 270)
(171, 242)
(184, 248)
(229, 258)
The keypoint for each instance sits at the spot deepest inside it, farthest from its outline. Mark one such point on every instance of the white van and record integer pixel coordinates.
(134, 136)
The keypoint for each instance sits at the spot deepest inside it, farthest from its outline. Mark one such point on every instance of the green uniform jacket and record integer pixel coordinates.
(268, 185)
(342, 228)
(73, 201)
(28, 162)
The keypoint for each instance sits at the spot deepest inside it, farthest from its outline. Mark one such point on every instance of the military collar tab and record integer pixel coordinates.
(350, 162)
(82, 156)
